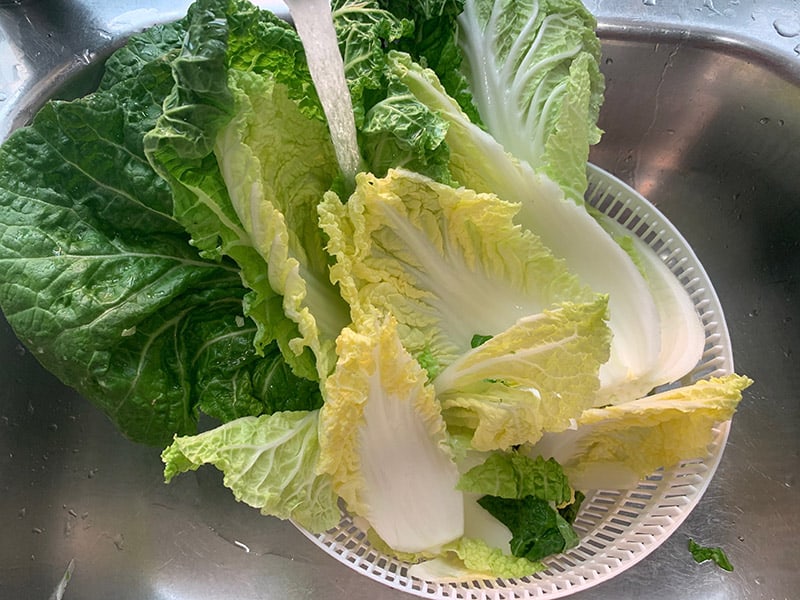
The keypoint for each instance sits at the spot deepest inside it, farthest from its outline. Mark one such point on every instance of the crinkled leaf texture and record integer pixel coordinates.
(275, 195)
(100, 281)
(514, 475)
(237, 96)
(447, 263)
(364, 30)
(471, 558)
(268, 462)
(384, 443)
(615, 446)
(534, 75)
(522, 495)
(434, 43)
(534, 377)
(394, 128)
(479, 162)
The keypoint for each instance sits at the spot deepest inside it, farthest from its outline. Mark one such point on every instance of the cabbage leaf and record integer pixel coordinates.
(384, 443)
(513, 475)
(536, 376)
(479, 162)
(446, 263)
(237, 96)
(615, 446)
(535, 78)
(471, 558)
(99, 280)
(268, 462)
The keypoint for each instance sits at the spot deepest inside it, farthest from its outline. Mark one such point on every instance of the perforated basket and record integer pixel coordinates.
(617, 528)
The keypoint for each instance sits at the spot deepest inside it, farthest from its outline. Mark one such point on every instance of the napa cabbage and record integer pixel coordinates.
(449, 264)
(268, 462)
(534, 75)
(182, 241)
(615, 446)
(383, 441)
(237, 96)
(567, 229)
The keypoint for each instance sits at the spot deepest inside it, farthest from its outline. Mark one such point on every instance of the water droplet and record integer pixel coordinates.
(86, 57)
(37, 530)
(609, 61)
(797, 49)
(3, 97)
(764, 120)
(709, 4)
(119, 541)
(22, 512)
(787, 27)
(649, 2)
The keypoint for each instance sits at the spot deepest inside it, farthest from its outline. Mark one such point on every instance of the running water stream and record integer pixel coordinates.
(314, 24)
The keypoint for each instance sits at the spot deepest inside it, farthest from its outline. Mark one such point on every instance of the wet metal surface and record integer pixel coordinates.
(702, 116)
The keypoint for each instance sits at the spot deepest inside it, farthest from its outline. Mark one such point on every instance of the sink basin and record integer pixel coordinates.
(702, 117)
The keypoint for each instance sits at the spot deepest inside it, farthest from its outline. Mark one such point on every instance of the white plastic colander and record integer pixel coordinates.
(618, 528)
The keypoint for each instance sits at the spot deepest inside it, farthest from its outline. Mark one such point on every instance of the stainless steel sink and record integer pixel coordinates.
(702, 117)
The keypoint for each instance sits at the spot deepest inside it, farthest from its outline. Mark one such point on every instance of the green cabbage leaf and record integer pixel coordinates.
(99, 279)
(268, 462)
(232, 104)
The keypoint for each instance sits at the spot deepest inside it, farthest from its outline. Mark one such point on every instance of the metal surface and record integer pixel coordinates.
(702, 116)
